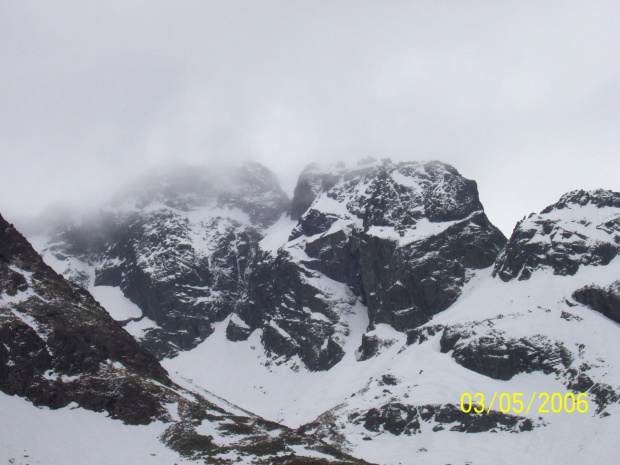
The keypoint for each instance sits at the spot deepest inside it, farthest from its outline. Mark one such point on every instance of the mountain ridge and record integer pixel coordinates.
(378, 295)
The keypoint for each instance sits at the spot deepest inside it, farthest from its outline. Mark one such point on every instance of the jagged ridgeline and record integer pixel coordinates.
(576, 231)
(193, 247)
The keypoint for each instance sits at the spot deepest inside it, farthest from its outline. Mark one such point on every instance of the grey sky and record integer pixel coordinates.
(523, 97)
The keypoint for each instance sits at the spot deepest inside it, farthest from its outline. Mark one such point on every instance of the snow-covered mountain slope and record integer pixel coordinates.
(59, 346)
(60, 350)
(402, 239)
(500, 337)
(400, 402)
(179, 245)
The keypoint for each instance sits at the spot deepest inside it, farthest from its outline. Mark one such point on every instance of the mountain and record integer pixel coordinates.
(178, 244)
(394, 393)
(580, 229)
(191, 249)
(361, 311)
(60, 350)
(59, 346)
(540, 320)
(400, 239)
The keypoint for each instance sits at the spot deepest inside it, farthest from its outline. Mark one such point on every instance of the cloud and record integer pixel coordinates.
(522, 97)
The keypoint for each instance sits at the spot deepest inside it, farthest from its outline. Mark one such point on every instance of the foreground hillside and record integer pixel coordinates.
(62, 358)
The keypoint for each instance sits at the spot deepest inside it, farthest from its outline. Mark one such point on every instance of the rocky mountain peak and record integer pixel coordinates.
(400, 238)
(400, 194)
(313, 180)
(579, 198)
(581, 229)
(255, 190)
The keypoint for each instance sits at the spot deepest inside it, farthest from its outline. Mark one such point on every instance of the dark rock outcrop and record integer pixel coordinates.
(499, 357)
(605, 300)
(372, 345)
(312, 181)
(581, 229)
(59, 346)
(602, 394)
(397, 418)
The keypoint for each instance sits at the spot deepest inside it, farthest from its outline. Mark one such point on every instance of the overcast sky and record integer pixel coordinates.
(523, 97)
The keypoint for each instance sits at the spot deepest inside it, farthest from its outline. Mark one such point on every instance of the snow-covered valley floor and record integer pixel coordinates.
(289, 393)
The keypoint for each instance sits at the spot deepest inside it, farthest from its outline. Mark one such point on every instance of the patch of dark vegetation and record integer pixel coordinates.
(262, 445)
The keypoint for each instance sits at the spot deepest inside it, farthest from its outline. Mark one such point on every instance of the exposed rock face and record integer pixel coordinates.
(581, 229)
(605, 300)
(404, 419)
(372, 345)
(180, 246)
(400, 238)
(495, 355)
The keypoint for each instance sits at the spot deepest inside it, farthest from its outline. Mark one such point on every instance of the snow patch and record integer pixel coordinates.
(114, 301)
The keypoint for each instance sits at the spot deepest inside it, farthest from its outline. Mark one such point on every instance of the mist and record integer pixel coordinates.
(521, 97)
